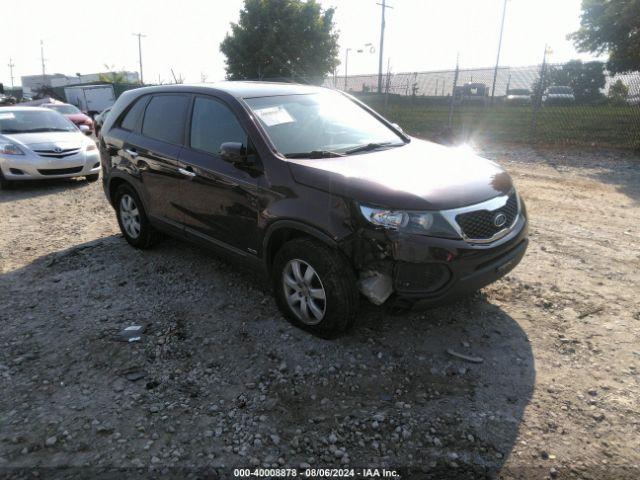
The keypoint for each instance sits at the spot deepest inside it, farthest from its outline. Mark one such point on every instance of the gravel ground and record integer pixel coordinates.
(221, 380)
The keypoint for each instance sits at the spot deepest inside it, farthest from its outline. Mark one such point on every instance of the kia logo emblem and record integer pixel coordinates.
(500, 220)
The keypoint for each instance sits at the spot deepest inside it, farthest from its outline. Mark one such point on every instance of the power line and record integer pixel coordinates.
(382, 27)
(140, 37)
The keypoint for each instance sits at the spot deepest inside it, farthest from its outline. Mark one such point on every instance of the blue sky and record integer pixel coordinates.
(185, 35)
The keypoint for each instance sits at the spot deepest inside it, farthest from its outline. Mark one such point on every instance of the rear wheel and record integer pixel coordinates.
(315, 287)
(132, 218)
(93, 177)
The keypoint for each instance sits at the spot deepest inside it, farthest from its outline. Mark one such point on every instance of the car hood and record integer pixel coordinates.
(418, 176)
(46, 140)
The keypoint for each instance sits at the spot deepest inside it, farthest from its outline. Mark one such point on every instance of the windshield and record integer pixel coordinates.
(32, 121)
(319, 122)
(64, 109)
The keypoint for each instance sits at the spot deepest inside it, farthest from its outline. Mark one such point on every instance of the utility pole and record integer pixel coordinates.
(453, 92)
(382, 26)
(495, 72)
(11, 65)
(537, 102)
(346, 68)
(140, 37)
(42, 59)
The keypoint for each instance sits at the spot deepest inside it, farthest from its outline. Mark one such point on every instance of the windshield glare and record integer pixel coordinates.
(319, 122)
(64, 109)
(27, 121)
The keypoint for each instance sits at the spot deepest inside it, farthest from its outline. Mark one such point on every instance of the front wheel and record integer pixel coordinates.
(4, 183)
(315, 287)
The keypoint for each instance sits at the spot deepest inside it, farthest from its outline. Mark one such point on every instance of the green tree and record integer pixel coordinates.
(586, 79)
(612, 27)
(618, 92)
(112, 76)
(281, 39)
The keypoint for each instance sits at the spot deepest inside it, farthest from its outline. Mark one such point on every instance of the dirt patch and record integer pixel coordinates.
(220, 379)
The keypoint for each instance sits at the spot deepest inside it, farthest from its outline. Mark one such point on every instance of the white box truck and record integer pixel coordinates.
(91, 99)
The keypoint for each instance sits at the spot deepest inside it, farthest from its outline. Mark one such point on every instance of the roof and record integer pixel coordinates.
(242, 89)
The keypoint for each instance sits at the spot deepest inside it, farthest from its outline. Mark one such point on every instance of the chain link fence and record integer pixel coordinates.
(568, 104)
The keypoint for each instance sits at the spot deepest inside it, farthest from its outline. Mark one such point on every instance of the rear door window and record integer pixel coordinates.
(164, 118)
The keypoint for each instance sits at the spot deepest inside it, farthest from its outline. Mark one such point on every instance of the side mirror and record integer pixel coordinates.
(397, 127)
(233, 152)
(85, 129)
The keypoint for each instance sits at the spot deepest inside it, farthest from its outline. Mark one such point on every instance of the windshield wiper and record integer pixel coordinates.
(42, 130)
(315, 154)
(371, 146)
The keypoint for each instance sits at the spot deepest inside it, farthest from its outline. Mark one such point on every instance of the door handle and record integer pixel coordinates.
(187, 172)
(131, 153)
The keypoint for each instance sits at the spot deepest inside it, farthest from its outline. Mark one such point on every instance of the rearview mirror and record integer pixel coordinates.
(233, 152)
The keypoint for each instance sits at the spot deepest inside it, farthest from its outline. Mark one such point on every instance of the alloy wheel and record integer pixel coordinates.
(130, 216)
(304, 291)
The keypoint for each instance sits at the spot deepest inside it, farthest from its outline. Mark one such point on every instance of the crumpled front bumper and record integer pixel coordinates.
(431, 271)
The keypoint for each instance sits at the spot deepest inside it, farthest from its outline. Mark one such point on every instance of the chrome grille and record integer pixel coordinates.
(59, 153)
(484, 224)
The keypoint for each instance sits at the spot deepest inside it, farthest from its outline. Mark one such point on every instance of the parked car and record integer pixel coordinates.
(38, 143)
(559, 95)
(99, 119)
(313, 188)
(84, 122)
(7, 100)
(518, 97)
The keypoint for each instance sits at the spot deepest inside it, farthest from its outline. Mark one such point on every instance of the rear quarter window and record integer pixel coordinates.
(132, 117)
(164, 118)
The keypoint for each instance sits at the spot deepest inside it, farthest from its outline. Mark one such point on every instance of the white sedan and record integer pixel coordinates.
(38, 143)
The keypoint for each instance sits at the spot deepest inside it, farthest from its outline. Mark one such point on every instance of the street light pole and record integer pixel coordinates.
(495, 72)
(140, 36)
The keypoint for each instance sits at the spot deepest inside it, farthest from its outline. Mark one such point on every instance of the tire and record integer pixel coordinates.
(4, 183)
(93, 177)
(147, 236)
(333, 275)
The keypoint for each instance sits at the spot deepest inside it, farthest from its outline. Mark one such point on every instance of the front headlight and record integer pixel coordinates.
(421, 223)
(10, 149)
